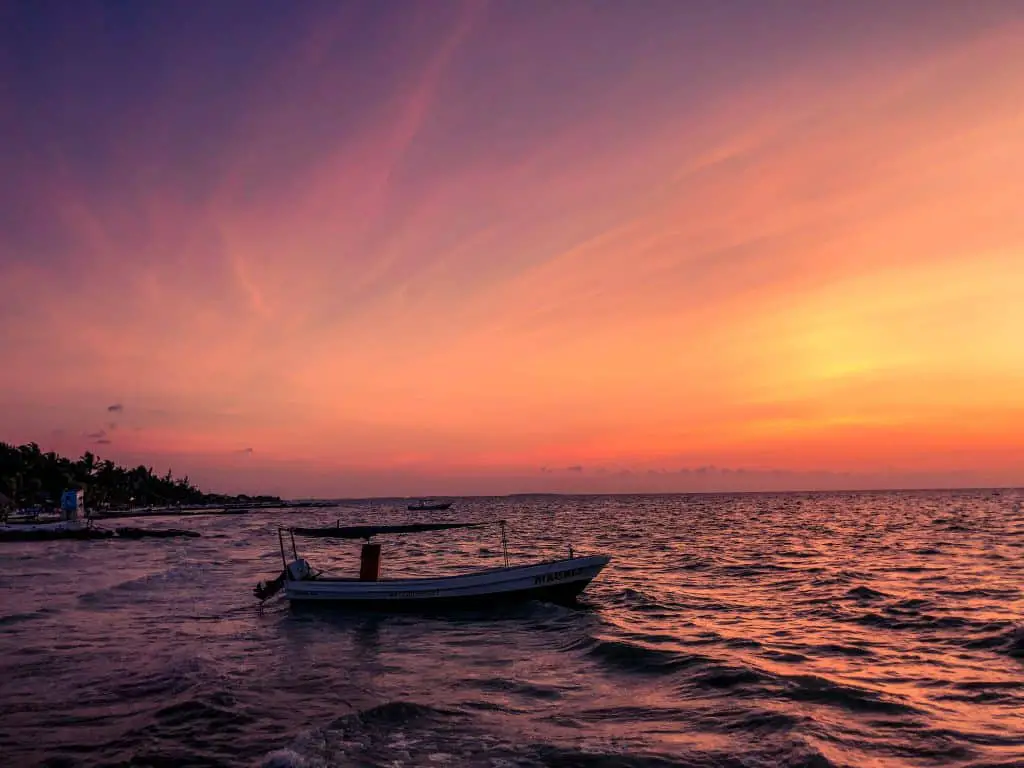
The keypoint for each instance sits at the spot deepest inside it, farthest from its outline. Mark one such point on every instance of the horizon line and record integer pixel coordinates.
(923, 489)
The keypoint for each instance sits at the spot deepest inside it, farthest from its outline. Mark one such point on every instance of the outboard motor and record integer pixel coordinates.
(267, 589)
(299, 570)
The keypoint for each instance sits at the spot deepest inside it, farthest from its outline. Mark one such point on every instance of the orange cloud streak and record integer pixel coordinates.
(827, 275)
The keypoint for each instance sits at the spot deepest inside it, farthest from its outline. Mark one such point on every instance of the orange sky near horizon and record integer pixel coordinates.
(814, 267)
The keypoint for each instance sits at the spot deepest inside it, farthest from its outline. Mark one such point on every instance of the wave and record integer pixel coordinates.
(785, 657)
(378, 735)
(636, 657)
(913, 620)
(753, 569)
(991, 685)
(19, 618)
(289, 758)
(741, 642)
(837, 649)
(394, 713)
(694, 565)
(178, 575)
(914, 569)
(865, 593)
(162, 684)
(575, 757)
(911, 605)
(722, 677)
(402, 733)
(505, 685)
(799, 553)
(1010, 642)
(633, 714)
(819, 690)
(633, 657)
(979, 592)
(640, 601)
(216, 711)
(761, 721)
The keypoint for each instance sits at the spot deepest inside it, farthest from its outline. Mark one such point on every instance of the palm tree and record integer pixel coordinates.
(27, 476)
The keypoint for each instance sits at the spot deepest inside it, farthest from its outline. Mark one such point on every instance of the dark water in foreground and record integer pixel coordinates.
(785, 630)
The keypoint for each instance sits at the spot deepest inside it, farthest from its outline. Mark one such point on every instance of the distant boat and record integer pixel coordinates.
(424, 505)
(76, 525)
(558, 581)
(71, 525)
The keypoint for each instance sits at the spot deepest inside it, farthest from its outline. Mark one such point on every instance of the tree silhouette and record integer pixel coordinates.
(30, 477)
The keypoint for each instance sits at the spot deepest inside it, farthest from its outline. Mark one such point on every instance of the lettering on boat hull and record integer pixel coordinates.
(406, 595)
(550, 578)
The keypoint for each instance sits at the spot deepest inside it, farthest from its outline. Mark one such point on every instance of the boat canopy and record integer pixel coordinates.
(366, 531)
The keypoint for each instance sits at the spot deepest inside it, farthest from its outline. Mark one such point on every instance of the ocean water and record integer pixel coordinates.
(869, 629)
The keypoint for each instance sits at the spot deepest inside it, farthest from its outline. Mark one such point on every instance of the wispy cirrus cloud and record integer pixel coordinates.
(480, 240)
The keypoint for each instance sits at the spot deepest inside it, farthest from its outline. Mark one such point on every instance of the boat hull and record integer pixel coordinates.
(559, 581)
(81, 532)
(51, 532)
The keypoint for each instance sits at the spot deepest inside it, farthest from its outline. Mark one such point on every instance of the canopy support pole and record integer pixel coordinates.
(280, 540)
(504, 543)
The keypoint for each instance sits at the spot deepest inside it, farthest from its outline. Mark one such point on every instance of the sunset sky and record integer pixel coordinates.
(391, 248)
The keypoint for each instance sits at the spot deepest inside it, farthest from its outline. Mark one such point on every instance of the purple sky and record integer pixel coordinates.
(345, 248)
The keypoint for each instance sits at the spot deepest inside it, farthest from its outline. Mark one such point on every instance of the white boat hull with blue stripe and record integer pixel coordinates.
(558, 581)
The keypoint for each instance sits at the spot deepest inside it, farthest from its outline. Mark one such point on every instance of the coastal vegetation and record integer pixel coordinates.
(29, 477)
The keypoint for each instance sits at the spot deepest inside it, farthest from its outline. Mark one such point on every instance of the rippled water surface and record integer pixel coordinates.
(796, 630)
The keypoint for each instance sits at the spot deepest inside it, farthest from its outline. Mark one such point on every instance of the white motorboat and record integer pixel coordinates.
(73, 524)
(559, 581)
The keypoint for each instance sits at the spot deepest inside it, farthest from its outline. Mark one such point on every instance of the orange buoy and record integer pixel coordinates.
(369, 563)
